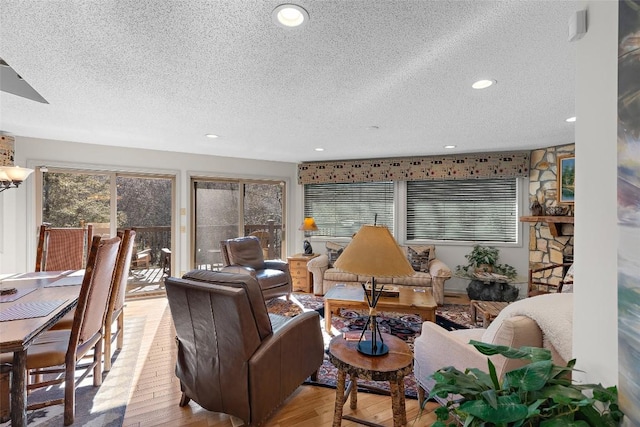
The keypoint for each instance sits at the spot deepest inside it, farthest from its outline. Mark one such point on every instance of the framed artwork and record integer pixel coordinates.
(566, 179)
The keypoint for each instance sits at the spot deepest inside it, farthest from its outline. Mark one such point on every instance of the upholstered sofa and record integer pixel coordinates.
(544, 321)
(430, 272)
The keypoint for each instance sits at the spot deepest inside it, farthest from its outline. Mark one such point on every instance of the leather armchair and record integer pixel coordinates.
(243, 255)
(233, 356)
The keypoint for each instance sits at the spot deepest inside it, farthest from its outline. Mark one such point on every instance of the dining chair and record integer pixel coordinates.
(62, 248)
(116, 299)
(115, 308)
(66, 348)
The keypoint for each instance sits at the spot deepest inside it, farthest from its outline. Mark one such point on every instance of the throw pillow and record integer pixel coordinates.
(334, 250)
(419, 257)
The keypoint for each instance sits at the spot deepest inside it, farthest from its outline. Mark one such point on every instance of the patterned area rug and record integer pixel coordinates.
(406, 327)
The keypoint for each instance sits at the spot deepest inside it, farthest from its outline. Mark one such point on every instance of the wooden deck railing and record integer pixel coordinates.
(208, 240)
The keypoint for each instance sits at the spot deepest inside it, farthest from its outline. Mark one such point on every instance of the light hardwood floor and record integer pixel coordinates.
(155, 391)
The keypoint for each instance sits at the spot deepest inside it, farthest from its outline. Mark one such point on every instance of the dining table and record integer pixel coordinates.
(30, 304)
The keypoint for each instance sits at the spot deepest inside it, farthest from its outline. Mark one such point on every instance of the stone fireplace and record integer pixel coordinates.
(544, 247)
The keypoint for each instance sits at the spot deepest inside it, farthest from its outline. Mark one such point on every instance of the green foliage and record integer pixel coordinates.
(72, 199)
(485, 255)
(537, 394)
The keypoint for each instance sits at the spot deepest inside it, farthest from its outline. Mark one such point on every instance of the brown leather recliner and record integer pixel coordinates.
(244, 255)
(230, 358)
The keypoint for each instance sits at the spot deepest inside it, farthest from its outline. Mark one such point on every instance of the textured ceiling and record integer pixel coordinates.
(162, 74)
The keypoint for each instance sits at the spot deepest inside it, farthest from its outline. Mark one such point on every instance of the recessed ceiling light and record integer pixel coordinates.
(570, 119)
(483, 84)
(212, 136)
(449, 147)
(319, 149)
(289, 15)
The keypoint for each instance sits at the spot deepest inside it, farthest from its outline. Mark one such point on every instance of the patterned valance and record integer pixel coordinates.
(463, 166)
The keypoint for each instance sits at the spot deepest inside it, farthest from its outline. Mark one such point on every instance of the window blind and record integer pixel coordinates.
(340, 209)
(480, 210)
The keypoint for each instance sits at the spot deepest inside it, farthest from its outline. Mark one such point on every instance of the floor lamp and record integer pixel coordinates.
(374, 252)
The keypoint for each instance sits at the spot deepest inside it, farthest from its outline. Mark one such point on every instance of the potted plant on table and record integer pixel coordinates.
(539, 394)
(484, 260)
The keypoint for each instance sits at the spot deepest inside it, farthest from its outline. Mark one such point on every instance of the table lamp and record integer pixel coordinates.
(308, 225)
(374, 252)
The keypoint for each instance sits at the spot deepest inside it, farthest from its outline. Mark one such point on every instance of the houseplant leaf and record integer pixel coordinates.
(530, 377)
(532, 353)
(508, 409)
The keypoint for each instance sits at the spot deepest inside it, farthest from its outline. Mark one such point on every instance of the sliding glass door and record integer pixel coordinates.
(224, 209)
(111, 201)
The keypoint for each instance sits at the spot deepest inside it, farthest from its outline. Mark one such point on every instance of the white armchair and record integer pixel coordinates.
(543, 321)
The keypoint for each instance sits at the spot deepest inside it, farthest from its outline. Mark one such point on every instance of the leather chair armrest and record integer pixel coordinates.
(298, 338)
(238, 269)
(286, 358)
(274, 264)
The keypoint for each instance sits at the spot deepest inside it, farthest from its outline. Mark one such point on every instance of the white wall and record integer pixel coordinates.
(17, 206)
(595, 344)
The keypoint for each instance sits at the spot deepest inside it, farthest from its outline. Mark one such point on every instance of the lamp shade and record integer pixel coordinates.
(16, 173)
(309, 224)
(374, 252)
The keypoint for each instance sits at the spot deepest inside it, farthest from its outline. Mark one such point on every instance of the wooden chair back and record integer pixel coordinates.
(121, 274)
(539, 286)
(63, 248)
(91, 310)
(115, 308)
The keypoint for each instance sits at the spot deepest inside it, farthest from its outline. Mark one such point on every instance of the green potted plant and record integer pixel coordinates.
(539, 394)
(484, 259)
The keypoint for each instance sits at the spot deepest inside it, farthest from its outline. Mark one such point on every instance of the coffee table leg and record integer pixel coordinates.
(327, 317)
(337, 412)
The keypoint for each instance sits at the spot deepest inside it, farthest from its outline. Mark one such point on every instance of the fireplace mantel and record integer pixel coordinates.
(554, 222)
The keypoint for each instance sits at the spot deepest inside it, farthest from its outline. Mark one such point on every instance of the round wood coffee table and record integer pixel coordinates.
(392, 367)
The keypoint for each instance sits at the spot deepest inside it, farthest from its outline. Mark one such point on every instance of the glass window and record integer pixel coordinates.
(481, 210)
(225, 209)
(341, 209)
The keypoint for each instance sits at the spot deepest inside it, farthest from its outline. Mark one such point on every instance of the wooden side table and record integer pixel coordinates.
(392, 367)
(302, 278)
(488, 309)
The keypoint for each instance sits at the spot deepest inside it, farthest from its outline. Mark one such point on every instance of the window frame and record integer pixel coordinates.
(517, 228)
(400, 219)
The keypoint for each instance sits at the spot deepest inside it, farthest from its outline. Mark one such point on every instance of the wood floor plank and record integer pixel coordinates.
(155, 391)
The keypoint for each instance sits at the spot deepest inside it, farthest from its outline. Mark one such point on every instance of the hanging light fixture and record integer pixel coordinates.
(11, 176)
